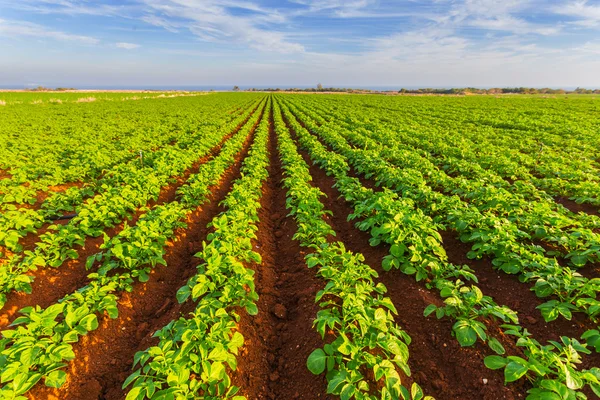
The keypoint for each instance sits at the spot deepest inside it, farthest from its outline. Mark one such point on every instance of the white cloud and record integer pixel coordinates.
(68, 7)
(413, 46)
(127, 46)
(510, 24)
(496, 15)
(28, 29)
(212, 21)
(161, 22)
(585, 14)
(592, 48)
(338, 5)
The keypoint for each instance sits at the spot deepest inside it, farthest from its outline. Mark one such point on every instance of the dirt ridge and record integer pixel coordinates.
(272, 364)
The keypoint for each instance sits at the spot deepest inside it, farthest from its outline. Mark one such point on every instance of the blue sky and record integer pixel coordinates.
(300, 42)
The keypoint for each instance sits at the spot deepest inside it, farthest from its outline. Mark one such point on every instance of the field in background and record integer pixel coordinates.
(285, 246)
(81, 96)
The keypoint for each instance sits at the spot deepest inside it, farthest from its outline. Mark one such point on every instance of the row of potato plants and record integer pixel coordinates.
(18, 221)
(359, 135)
(532, 210)
(41, 147)
(492, 236)
(195, 353)
(131, 189)
(356, 319)
(559, 157)
(560, 162)
(416, 249)
(40, 343)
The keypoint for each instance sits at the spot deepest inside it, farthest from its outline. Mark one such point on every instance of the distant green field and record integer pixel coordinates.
(55, 97)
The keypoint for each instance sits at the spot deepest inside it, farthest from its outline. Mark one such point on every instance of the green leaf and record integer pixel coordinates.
(495, 362)
(56, 378)
(416, 392)
(579, 260)
(429, 309)
(131, 378)
(31, 381)
(183, 294)
(465, 334)
(71, 337)
(514, 371)
(347, 391)
(252, 309)
(89, 322)
(134, 393)
(496, 346)
(316, 362)
(557, 387)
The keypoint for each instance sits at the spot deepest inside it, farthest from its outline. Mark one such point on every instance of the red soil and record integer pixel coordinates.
(278, 340)
(576, 207)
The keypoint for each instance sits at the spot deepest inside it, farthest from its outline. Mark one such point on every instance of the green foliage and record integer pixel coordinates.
(355, 316)
(41, 343)
(205, 344)
(413, 206)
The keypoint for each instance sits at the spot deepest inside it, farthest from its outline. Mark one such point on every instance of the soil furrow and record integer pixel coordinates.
(508, 290)
(280, 338)
(576, 207)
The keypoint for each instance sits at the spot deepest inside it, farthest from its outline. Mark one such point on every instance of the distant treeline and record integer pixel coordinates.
(514, 90)
(332, 89)
(455, 91)
(45, 89)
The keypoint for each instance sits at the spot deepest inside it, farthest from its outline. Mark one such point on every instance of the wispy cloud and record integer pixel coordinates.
(591, 48)
(508, 23)
(161, 23)
(493, 15)
(68, 7)
(352, 9)
(584, 13)
(127, 46)
(335, 5)
(28, 29)
(215, 21)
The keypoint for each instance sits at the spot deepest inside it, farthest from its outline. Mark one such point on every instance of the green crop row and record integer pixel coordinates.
(41, 147)
(550, 143)
(19, 221)
(132, 189)
(40, 344)
(530, 209)
(195, 353)
(492, 236)
(355, 317)
(416, 249)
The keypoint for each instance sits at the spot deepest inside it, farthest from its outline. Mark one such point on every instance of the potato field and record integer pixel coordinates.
(299, 246)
